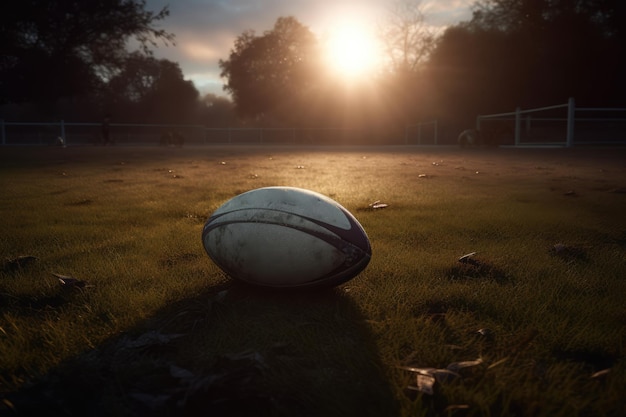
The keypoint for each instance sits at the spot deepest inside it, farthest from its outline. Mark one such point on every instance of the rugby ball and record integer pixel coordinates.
(285, 237)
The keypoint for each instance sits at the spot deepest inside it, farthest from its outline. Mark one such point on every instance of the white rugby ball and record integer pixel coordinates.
(286, 237)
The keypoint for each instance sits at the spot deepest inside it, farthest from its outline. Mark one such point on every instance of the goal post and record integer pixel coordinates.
(541, 126)
(571, 117)
(422, 133)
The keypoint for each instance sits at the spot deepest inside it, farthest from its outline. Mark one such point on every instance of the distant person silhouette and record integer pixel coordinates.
(106, 130)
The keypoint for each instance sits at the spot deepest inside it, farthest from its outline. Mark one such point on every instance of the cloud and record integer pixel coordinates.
(445, 13)
(200, 51)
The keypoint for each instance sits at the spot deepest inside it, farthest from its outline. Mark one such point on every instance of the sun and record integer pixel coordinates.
(352, 51)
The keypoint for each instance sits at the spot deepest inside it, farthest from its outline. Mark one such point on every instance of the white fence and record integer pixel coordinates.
(558, 125)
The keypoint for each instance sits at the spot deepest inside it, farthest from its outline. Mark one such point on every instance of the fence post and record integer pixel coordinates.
(518, 120)
(571, 110)
(63, 141)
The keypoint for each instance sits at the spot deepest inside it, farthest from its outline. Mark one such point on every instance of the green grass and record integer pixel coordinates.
(160, 330)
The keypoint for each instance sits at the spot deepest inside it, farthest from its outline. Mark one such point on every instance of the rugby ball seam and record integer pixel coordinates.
(349, 250)
(341, 233)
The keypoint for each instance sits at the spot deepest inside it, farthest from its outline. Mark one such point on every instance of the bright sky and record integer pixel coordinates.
(206, 29)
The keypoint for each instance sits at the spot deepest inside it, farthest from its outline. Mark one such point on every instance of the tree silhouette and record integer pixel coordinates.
(216, 111)
(529, 53)
(56, 48)
(153, 90)
(272, 73)
(569, 47)
(408, 42)
(407, 39)
(514, 15)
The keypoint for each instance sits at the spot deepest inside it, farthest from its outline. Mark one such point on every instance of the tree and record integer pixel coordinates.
(172, 98)
(155, 89)
(60, 48)
(408, 42)
(514, 15)
(475, 71)
(407, 39)
(216, 111)
(528, 53)
(568, 47)
(272, 73)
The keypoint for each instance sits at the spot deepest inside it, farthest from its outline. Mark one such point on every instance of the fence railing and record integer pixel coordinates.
(69, 133)
(568, 129)
(66, 133)
(557, 125)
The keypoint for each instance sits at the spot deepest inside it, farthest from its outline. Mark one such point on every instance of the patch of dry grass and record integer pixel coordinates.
(161, 330)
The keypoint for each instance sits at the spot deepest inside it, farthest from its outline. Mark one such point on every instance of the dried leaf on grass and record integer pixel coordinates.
(426, 378)
(378, 205)
(468, 267)
(601, 374)
(422, 371)
(8, 405)
(457, 366)
(67, 281)
(468, 259)
(485, 332)
(425, 384)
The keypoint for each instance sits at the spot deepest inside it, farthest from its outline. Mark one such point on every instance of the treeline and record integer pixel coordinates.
(146, 90)
(530, 53)
(69, 60)
(72, 64)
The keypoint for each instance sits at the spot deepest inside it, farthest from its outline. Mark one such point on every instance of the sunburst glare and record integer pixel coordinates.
(352, 51)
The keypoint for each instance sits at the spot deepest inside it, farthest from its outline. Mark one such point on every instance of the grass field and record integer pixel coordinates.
(534, 326)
